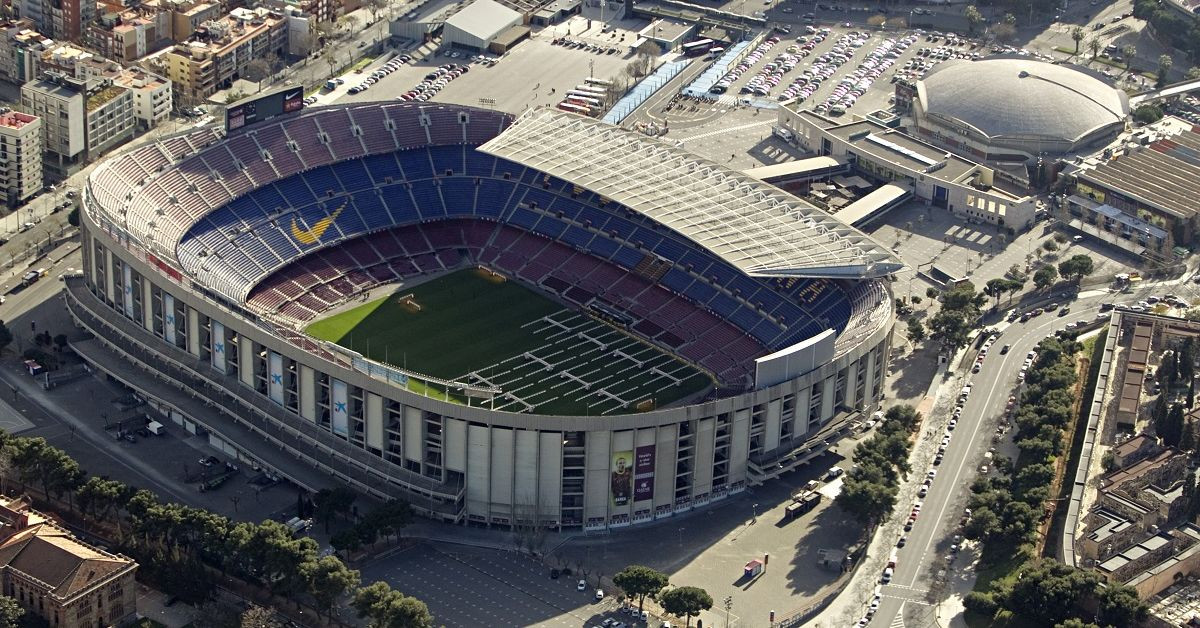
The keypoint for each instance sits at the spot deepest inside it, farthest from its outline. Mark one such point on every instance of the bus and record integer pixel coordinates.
(572, 93)
(598, 82)
(574, 108)
(587, 89)
(698, 47)
(584, 100)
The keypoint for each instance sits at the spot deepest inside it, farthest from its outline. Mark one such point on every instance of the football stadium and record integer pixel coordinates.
(543, 320)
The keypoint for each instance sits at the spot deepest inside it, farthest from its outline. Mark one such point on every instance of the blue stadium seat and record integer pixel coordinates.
(383, 166)
(353, 175)
(480, 164)
(495, 197)
(426, 196)
(577, 237)
(447, 158)
(373, 211)
(416, 164)
(459, 193)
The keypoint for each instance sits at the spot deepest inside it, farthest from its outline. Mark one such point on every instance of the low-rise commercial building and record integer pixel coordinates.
(1140, 194)
(940, 178)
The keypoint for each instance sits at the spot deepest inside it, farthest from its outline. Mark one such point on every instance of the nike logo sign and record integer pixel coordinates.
(310, 236)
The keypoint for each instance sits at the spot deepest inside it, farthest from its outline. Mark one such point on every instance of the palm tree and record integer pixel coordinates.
(1130, 51)
(1077, 35)
(1094, 46)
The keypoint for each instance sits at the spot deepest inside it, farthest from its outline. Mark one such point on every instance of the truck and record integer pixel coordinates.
(802, 505)
(30, 278)
(154, 427)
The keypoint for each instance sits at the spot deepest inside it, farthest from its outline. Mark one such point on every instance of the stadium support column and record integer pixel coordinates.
(308, 394)
(147, 304)
(869, 375)
(246, 360)
(193, 323)
(827, 397)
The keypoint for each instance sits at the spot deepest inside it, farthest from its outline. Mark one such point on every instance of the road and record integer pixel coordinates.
(927, 549)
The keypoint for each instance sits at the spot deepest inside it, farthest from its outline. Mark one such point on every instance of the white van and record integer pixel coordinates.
(784, 134)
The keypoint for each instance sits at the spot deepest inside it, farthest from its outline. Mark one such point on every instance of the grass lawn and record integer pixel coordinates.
(466, 321)
(473, 322)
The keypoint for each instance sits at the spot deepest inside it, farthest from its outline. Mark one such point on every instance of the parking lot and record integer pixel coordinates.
(536, 72)
(475, 587)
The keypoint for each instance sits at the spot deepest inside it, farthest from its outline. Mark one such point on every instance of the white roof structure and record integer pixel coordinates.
(754, 226)
(483, 19)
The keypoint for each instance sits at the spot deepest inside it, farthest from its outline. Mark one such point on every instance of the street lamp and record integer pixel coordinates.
(754, 509)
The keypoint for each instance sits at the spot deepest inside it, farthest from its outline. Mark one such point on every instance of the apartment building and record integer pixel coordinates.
(187, 15)
(129, 35)
(152, 96)
(21, 46)
(61, 19)
(83, 117)
(219, 51)
(20, 156)
(58, 578)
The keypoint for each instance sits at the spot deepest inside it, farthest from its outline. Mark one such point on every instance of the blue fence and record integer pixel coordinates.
(709, 77)
(644, 90)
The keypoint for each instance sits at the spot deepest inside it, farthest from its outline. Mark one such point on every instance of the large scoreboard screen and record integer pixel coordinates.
(264, 107)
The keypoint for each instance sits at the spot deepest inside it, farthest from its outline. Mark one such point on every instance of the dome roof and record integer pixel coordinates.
(1022, 97)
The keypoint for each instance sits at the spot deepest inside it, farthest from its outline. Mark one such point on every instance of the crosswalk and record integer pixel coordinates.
(729, 129)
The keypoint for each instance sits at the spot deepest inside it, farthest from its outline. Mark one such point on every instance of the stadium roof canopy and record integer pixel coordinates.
(756, 227)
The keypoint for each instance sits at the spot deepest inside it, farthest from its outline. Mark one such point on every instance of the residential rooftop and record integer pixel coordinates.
(16, 119)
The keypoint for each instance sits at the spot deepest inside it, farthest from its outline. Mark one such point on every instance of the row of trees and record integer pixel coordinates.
(961, 307)
(638, 582)
(182, 549)
(1008, 507)
(869, 489)
(1049, 593)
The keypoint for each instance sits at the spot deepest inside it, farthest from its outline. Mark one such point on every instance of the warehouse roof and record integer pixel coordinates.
(483, 19)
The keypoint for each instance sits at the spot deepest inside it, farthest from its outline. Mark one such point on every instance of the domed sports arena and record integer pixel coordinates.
(535, 321)
(1014, 109)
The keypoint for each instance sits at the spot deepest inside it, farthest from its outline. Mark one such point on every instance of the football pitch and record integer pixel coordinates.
(474, 326)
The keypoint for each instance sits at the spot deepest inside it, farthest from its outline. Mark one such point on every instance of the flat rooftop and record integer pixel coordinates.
(892, 146)
(1165, 174)
(16, 119)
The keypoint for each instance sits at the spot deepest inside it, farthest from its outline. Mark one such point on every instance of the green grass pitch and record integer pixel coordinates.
(469, 321)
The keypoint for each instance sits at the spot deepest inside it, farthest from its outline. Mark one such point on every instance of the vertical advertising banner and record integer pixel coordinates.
(341, 417)
(622, 477)
(168, 316)
(127, 276)
(643, 473)
(217, 340)
(275, 377)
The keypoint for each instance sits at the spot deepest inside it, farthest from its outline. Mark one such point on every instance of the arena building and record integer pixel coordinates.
(593, 328)
(1015, 109)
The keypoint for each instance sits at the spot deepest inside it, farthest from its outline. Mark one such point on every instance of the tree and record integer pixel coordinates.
(1192, 73)
(329, 55)
(6, 336)
(257, 70)
(686, 602)
(1004, 32)
(1094, 46)
(387, 608)
(99, 497)
(1147, 114)
(866, 498)
(10, 612)
(1130, 52)
(1048, 591)
(1077, 35)
(950, 328)
(329, 502)
(328, 580)
(638, 581)
(259, 617)
(916, 331)
(1077, 267)
(1165, 62)
(904, 415)
(1170, 429)
(1045, 277)
(73, 217)
(974, 19)
(1120, 606)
